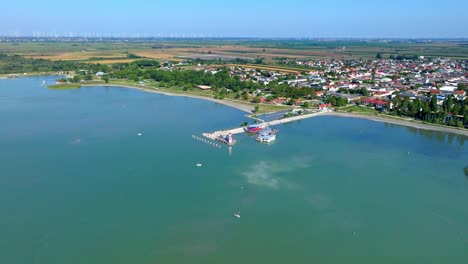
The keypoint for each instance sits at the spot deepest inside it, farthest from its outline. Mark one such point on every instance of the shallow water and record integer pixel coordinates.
(78, 185)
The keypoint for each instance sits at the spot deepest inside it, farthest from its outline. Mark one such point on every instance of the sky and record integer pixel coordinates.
(238, 18)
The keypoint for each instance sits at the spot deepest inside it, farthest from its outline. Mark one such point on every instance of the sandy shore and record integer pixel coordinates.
(243, 107)
(248, 109)
(408, 123)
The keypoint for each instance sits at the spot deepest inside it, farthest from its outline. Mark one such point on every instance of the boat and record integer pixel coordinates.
(267, 132)
(255, 128)
(266, 138)
(237, 215)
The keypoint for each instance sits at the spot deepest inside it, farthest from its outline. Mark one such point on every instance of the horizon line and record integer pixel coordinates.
(228, 37)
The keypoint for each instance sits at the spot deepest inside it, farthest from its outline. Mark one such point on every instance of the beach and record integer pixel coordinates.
(408, 123)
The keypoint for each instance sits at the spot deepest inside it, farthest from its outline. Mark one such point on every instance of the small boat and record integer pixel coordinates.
(267, 132)
(237, 215)
(140, 134)
(266, 138)
(199, 165)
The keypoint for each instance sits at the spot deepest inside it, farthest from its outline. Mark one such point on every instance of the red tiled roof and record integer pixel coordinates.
(434, 91)
(324, 105)
(374, 101)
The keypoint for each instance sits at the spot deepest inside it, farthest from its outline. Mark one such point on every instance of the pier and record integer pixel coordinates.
(238, 130)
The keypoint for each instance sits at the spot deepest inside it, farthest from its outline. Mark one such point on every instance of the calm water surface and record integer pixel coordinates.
(78, 185)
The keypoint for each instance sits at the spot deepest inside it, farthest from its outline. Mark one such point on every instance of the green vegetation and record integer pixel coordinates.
(337, 101)
(466, 171)
(452, 112)
(65, 86)
(358, 109)
(257, 109)
(19, 64)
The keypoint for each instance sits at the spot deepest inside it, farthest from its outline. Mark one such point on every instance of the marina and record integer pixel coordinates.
(265, 137)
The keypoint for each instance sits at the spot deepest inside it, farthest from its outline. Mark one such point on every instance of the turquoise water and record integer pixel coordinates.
(78, 185)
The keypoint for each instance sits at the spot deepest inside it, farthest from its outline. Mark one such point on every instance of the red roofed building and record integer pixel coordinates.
(374, 102)
(459, 92)
(324, 106)
(434, 91)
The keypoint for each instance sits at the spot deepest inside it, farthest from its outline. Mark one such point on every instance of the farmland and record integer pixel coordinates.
(271, 51)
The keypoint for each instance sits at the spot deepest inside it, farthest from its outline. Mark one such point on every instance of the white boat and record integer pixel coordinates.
(266, 139)
(237, 215)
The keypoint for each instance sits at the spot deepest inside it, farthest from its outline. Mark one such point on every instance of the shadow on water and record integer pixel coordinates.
(466, 172)
(435, 135)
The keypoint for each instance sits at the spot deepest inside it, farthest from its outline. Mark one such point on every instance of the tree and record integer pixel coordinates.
(378, 56)
(465, 118)
(306, 105)
(364, 91)
(257, 108)
(463, 86)
(76, 79)
(433, 104)
(106, 78)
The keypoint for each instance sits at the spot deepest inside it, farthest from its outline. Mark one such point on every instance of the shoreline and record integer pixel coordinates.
(239, 106)
(406, 123)
(249, 109)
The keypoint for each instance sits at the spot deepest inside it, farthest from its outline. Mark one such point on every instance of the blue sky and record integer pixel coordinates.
(240, 18)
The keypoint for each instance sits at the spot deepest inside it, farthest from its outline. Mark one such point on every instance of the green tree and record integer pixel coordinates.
(364, 91)
(433, 103)
(106, 78)
(257, 109)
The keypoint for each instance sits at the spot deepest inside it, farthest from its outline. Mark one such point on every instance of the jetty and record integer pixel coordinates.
(238, 130)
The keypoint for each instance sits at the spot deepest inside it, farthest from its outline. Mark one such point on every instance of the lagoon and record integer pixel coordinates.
(79, 185)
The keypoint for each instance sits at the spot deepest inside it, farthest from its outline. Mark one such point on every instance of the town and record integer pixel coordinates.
(383, 84)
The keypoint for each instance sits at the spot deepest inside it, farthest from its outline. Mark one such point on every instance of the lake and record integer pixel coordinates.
(78, 184)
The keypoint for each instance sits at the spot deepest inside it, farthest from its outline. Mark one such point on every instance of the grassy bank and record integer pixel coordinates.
(207, 95)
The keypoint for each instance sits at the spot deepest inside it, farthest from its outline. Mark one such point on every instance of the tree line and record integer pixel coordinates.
(452, 112)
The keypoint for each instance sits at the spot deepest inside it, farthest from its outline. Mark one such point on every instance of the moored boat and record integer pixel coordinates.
(255, 128)
(266, 138)
(268, 131)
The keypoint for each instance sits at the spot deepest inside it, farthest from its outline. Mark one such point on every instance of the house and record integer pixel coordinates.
(204, 87)
(374, 102)
(460, 94)
(434, 91)
(325, 107)
(448, 88)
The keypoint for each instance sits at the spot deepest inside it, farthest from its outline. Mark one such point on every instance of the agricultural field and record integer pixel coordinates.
(270, 51)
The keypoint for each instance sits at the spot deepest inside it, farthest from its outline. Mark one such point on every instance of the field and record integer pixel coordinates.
(270, 50)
